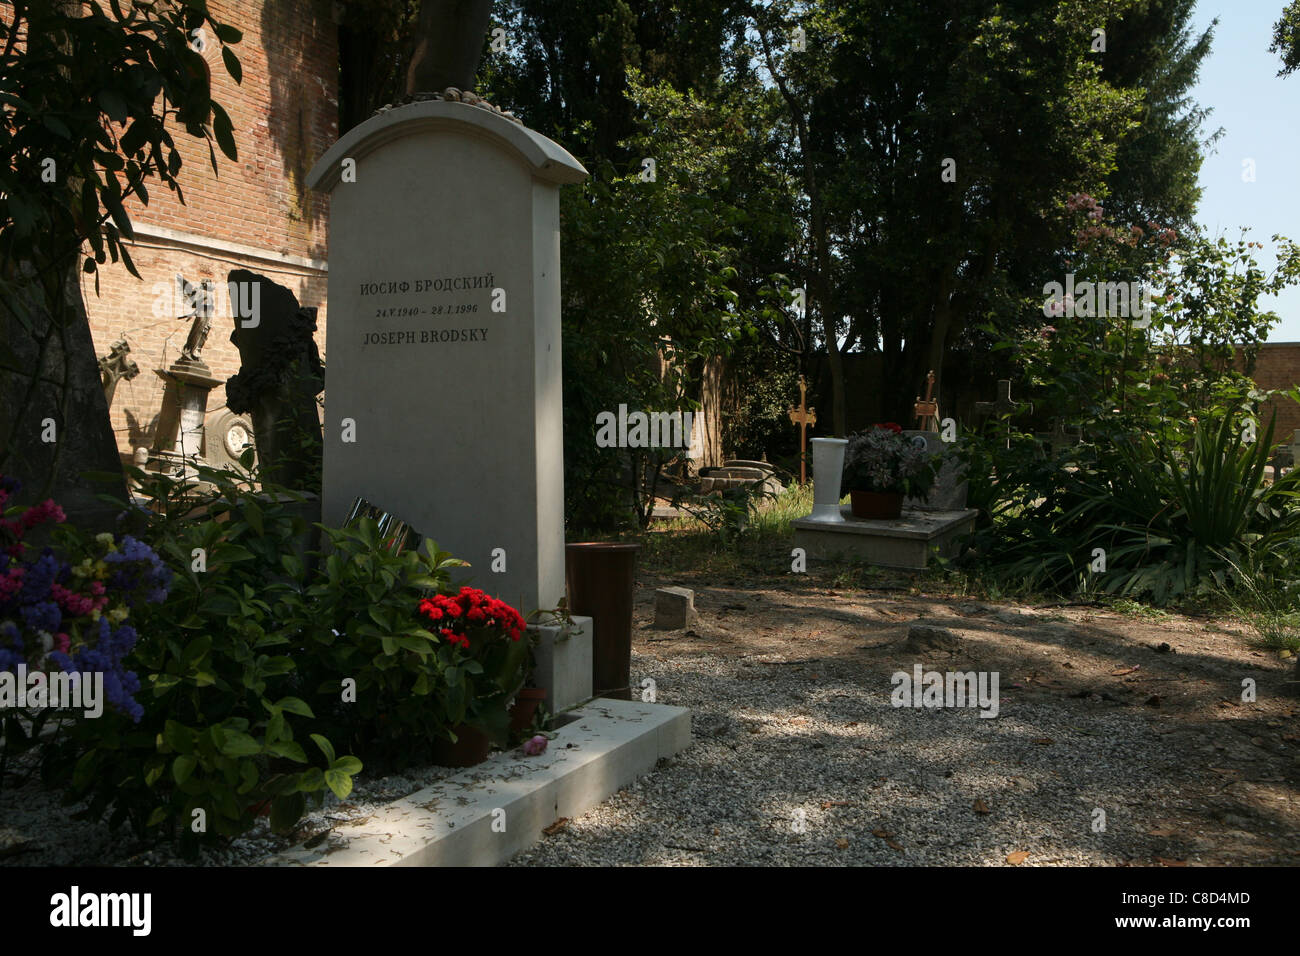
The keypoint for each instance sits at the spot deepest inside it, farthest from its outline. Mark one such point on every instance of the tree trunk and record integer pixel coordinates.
(449, 44)
(55, 424)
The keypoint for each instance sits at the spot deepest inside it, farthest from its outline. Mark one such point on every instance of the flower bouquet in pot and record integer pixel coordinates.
(882, 466)
(484, 658)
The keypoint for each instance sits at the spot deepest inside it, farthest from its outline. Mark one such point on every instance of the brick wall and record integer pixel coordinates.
(256, 213)
(1278, 366)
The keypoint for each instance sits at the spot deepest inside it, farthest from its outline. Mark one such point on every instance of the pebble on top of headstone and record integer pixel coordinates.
(674, 608)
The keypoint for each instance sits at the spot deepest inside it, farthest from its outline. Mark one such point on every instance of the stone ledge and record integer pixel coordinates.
(607, 745)
(900, 543)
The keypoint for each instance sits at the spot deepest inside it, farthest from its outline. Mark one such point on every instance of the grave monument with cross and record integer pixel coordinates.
(937, 523)
(179, 434)
(927, 409)
(803, 416)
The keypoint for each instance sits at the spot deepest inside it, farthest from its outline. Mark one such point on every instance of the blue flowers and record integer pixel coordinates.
(38, 578)
(51, 617)
(42, 616)
(140, 569)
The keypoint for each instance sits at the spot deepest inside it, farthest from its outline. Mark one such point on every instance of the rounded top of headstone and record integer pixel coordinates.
(547, 160)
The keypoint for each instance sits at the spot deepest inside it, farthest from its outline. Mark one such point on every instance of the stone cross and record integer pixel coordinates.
(114, 367)
(1060, 439)
(927, 410)
(1004, 404)
(803, 416)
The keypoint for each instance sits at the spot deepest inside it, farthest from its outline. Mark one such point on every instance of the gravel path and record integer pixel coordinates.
(799, 758)
(797, 765)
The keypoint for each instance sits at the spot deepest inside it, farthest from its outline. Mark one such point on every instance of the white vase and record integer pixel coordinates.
(828, 470)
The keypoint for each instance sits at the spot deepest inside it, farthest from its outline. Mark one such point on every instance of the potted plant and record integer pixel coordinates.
(881, 467)
(483, 662)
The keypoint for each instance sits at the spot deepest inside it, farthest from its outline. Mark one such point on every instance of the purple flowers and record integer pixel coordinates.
(138, 568)
(535, 746)
(69, 610)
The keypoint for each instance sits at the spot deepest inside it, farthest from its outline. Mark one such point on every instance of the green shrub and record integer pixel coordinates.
(224, 722)
(1265, 599)
(1169, 515)
(359, 624)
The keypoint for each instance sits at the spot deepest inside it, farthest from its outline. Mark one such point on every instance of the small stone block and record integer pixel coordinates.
(674, 608)
(563, 658)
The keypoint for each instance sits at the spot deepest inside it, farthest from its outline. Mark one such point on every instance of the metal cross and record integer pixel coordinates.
(927, 410)
(803, 416)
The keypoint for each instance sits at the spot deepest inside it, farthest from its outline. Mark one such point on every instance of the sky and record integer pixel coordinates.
(1260, 116)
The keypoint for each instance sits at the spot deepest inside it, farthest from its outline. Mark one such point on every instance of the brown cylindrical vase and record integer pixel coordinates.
(601, 578)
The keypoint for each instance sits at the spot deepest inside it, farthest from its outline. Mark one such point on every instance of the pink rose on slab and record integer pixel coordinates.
(535, 746)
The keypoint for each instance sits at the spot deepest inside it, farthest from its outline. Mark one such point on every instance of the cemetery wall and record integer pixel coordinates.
(256, 213)
(1278, 366)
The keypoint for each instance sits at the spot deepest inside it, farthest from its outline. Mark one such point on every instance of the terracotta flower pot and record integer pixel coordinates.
(471, 748)
(876, 504)
(525, 707)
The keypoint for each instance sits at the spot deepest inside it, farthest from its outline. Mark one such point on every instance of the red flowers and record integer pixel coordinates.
(38, 514)
(890, 426)
(470, 610)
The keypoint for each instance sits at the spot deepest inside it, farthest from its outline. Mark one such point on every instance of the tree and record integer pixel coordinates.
(376, 38)
(650, 266)
(389, 49)
(449, 44)
(935, 150)
(87, 100)
(1286, 38)
(1151, 48)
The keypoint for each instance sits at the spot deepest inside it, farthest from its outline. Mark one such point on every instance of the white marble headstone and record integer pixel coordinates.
(442, 384)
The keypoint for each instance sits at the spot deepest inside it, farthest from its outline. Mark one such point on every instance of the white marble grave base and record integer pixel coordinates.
(451, 823)
(904, 542)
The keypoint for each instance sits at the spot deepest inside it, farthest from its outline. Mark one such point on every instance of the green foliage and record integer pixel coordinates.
(88, 97)
(247, 660)
(1286, 38)
(726, 513)
(224, 716)
(358, 623)
(756, 420)
(1163, 480)
(652, 292)
(1264, 594)
(1170, 515)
